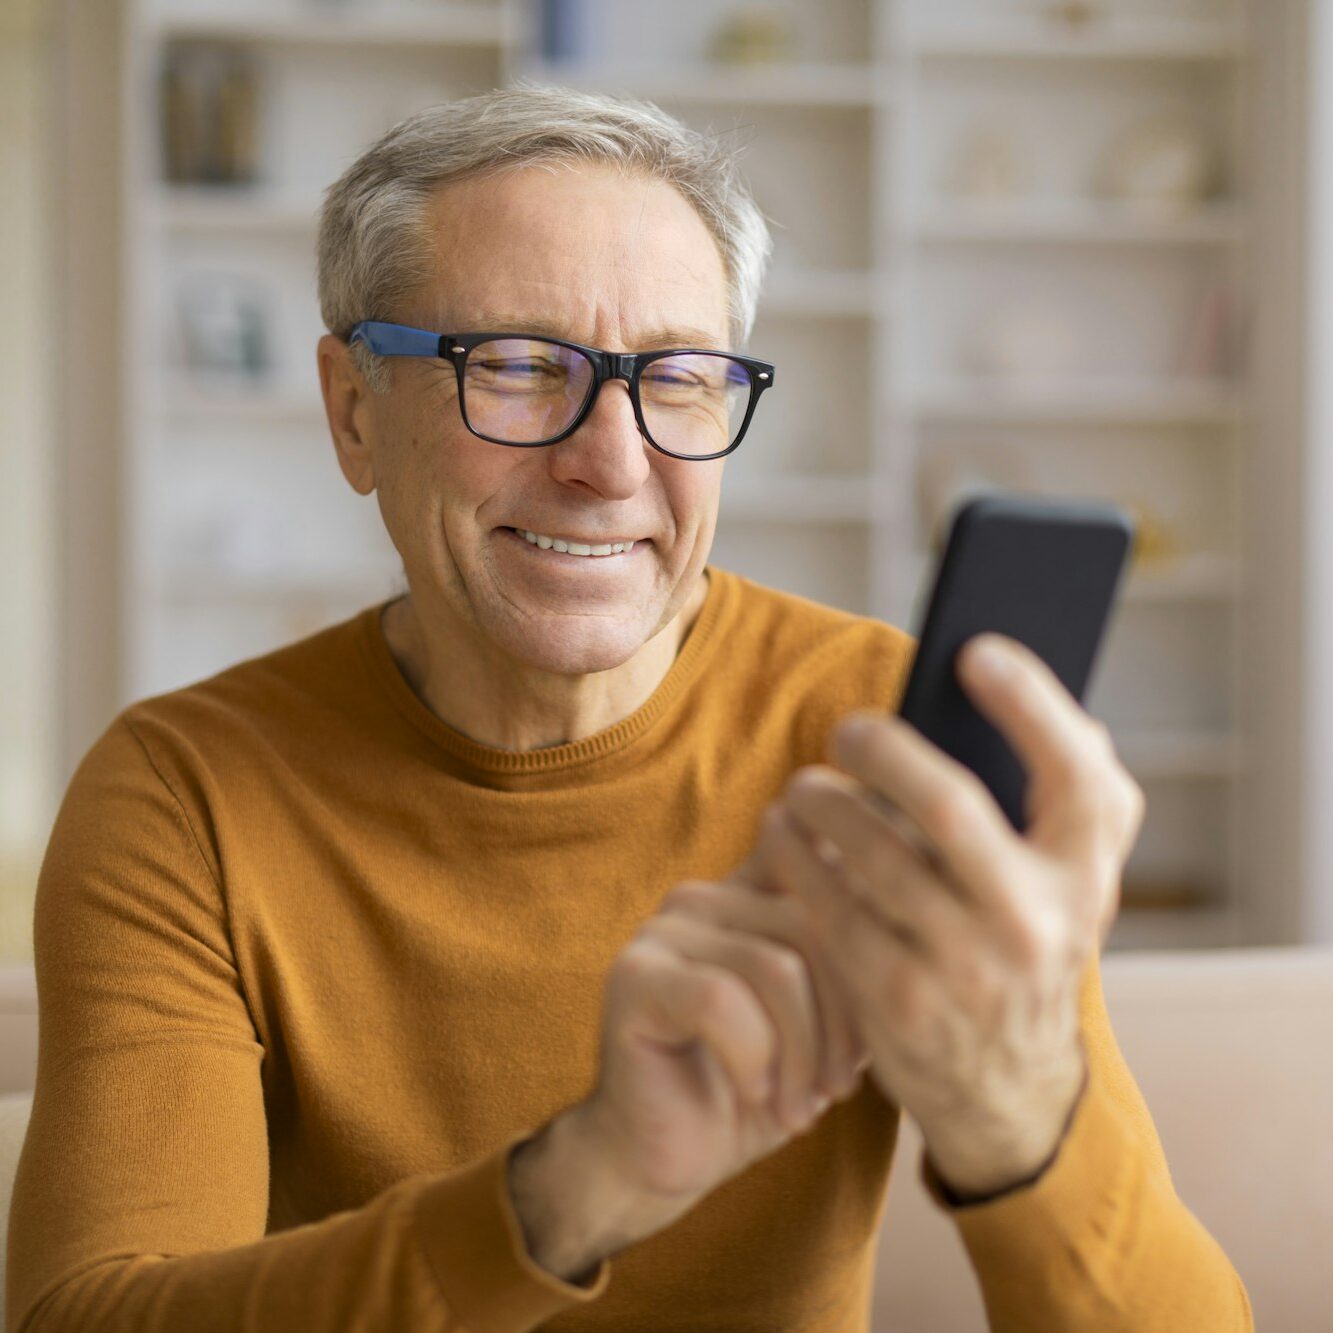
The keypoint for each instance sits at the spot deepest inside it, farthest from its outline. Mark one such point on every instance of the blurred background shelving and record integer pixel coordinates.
(1015, 246)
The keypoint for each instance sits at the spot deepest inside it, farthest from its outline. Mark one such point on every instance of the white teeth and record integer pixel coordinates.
(574, 548)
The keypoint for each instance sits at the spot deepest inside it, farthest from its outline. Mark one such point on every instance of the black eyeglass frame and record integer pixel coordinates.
(401, 340)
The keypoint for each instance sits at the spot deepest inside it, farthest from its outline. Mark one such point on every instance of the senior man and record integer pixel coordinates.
(508, 954)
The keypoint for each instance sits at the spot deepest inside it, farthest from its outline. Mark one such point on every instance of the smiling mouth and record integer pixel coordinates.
(565, 546)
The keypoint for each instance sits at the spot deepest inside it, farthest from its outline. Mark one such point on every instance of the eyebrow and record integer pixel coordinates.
(499, 321)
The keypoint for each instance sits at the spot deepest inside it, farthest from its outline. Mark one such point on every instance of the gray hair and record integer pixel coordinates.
(374, 250)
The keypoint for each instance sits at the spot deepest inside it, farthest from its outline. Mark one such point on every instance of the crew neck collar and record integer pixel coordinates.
(485, 761)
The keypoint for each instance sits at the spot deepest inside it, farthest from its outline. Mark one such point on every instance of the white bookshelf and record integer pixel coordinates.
(1079, 222)
(881, 277)
(1139, 38)
(796, 85)
(1094, 401)
(457, 24)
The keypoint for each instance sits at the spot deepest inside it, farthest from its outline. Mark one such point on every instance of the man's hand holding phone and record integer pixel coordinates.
(898, 912)
(963, 948)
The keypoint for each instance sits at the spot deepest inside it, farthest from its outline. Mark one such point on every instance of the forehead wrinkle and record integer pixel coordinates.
(683, 302)
(663, 336)
(543, 320)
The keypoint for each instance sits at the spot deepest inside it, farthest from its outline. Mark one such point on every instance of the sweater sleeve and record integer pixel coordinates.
(141, 1196)
(1100, 1242)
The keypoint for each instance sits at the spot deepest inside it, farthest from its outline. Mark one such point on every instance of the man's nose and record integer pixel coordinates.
(607, 453)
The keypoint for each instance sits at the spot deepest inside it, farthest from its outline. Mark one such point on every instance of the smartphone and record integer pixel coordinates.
(1043, 572)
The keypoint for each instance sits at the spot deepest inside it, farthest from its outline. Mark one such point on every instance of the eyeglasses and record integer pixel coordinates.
(527, 392)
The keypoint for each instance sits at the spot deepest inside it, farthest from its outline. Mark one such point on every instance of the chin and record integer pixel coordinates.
(580, 650)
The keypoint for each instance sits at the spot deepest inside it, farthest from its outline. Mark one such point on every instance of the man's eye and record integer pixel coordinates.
(672, 378)
(519, 367)
(536, 371)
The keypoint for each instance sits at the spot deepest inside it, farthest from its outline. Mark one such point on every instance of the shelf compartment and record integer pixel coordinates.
(1075, 222)
(789, 85)
(1102, 401)
(1197, 578)
(830, 564)
(800, 499)
(845, 293)
(280, 589)
(454, 24)
(241, 209)
(1212, 926)
(1145, 40)
(1163, 756)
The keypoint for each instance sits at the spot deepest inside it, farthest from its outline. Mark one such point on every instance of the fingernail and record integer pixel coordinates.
(988, 659)
(856, 725)
(818, 1105)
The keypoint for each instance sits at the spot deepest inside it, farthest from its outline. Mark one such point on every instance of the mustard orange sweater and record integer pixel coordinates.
(309, 962)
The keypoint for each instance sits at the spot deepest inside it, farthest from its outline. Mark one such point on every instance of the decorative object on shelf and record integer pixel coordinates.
(753, 35)
(1075, 15)
(988, 166)
(224, 330)
(564, 31)
(1157, 545)
(1160, 167)
(1163, 893)
(209, 114)
(1212, 344)
(1025, 342)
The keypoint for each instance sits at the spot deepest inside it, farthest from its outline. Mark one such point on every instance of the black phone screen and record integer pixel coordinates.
(1043, 572)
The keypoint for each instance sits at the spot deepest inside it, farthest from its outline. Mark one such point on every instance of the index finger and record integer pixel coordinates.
(972, 842)
(1062, 749)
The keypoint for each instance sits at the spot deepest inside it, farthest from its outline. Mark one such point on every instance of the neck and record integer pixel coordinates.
(508, 705)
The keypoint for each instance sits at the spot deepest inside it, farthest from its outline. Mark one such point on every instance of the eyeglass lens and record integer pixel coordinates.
(525, 390)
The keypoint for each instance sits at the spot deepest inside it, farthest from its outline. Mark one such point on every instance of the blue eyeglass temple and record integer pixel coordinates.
(394, 339)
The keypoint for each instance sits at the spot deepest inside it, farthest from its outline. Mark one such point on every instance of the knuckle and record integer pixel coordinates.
(636, 947)
(808, 784)
(1136, 803)
(688, 896)
(717, 994)
(947, 810)
(1079, 765)
(633, 963)
(1099, 735)
(782, 965)
(973, 794)
(1087, 783)
(1037, 939)
(855, 735)
(1123, 805)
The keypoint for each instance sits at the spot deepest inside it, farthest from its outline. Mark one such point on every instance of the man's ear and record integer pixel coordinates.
(345, 400)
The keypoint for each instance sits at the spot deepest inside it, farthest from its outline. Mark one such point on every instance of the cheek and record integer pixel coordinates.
(438, 467)
(693, 492)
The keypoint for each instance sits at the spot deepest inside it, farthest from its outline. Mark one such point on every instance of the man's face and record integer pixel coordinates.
(591, 255)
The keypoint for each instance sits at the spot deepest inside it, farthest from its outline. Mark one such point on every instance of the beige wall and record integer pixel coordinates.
(27, 527)
(59, 417)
